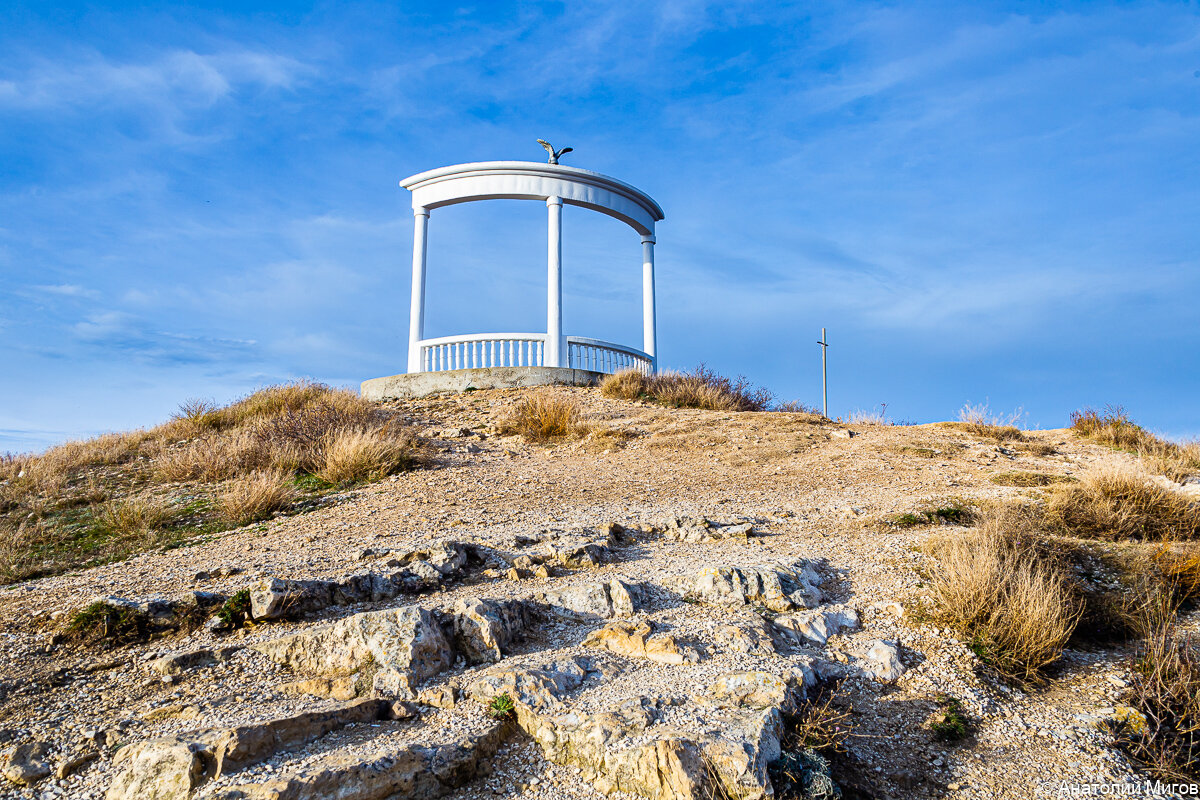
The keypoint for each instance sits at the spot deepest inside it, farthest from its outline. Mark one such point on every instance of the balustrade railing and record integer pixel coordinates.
(481, 350)
(606, 357)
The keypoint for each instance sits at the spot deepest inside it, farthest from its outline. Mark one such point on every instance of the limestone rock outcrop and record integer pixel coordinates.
(405, 645)
(484, 628)
(538, 688)
(172, 768)
(815, 627)
(279, 598)
(594, 601)
(883, 661)
(698, 530)
(635, 640)
(751, 636)
(776, 587)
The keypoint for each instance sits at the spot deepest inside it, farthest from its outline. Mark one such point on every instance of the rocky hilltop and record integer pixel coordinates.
(655, 607)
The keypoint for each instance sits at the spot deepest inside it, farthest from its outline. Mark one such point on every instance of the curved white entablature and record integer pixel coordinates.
(529, 180)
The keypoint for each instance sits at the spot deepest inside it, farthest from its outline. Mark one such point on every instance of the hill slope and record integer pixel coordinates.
(541, 532)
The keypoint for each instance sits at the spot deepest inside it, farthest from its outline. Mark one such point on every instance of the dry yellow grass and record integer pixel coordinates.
(1179, 566)
(134, 515)
(628, 384)
(1165, 690)
(980, 421)
(356, 455)
(1027, 479)
(1115, 501)
(256, 496)
(1004, 592)
(214, 457)
(51, 511)
(701, 388)
(544, 416)
(1115, 429)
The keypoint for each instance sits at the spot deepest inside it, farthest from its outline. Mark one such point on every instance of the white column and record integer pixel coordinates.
(416, 313)
(555, 355)
(649, 333)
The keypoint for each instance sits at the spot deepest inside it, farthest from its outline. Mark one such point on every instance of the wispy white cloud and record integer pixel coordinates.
(67, 290)
(181, 79)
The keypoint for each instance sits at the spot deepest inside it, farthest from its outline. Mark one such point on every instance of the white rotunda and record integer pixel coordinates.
(514, 359)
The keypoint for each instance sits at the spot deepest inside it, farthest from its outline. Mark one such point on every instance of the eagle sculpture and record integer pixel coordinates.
(554, 154)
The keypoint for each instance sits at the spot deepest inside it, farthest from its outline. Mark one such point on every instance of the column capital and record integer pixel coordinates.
(420, 211)
(553, 201)
(648, 238)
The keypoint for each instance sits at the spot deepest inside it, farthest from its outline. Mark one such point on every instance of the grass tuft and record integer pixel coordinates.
(55, 512)
(354, 456)
(256, 496)
(1116, 501)
(1115, 429)
(543, 417)
(979, 420)
(1028, 479)
(133, 516)
(701, 388)
(100, 621)
(954, 512)
(1003, 590)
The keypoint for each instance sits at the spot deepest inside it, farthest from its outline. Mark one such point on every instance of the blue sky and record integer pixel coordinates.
(982, 202)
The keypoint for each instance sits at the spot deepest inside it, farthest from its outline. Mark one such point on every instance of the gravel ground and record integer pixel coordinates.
(811, 496)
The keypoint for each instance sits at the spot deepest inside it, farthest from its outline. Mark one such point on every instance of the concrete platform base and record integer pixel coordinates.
(420, 384)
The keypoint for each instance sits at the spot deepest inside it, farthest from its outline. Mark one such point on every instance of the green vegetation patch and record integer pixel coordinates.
(950, 513)
(949, 723)
(106, 622)
(236, 610)
(501, 707)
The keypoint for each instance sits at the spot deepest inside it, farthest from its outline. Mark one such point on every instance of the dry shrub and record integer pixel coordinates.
(21, 550)
(544, 416)
(215, 457)
(862, 417)
(350, 456)
(1122, 502)
(299, 434)
(701, 388)
(980, 421)
(1165, 691)
(132, 516)
(275, 435)
(275, 400)
(1001, 587)
(1115, 429)
(1178, 565)
(629, 384)
(256, 497)
(1178, 462)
